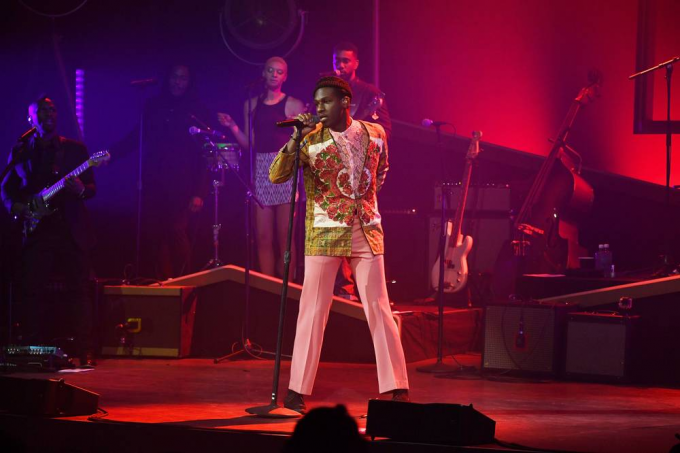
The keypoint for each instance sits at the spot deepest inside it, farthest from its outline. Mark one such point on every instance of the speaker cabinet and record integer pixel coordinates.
(406, 266)
(46, 397)
(436, 423)
(525, 337)
(148, 321)
(486, 199)
(598, 346)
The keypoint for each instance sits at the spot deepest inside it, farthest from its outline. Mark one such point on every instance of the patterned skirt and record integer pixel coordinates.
(269, 194)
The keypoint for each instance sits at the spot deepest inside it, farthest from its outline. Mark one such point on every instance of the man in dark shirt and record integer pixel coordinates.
(368, 104)
(62, 240)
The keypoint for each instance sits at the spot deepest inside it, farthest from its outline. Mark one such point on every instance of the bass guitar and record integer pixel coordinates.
(458, 247)
(39, 205)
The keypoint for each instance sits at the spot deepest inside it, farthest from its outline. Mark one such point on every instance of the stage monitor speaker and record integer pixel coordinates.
(525, 337)
(436, 423)
(46, 397)
(148, 321)
(598, 346)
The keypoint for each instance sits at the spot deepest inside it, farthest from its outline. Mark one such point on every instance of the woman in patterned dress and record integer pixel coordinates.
(271, 221)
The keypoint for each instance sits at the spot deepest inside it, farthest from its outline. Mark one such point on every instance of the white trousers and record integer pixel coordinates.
(315, 303)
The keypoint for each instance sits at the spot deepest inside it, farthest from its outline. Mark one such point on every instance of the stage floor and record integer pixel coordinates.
(547, 415)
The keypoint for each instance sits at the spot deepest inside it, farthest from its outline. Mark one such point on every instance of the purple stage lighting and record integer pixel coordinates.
(80, 100)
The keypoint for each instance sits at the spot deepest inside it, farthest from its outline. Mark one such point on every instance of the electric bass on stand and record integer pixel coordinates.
(546, 234)
(458, 247)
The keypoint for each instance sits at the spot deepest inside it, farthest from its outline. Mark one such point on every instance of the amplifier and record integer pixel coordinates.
(148, 321)
(525, 337)
(599, 345)
(486, 198)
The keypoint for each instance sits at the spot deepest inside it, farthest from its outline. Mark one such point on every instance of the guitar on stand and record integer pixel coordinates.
(39, 206)
(449, 273)
(457, 246)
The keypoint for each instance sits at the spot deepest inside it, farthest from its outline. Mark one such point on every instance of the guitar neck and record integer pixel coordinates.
(462, 200)
(51, 191)
(543, 173)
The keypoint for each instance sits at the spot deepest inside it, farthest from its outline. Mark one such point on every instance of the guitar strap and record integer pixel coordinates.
(58, 163)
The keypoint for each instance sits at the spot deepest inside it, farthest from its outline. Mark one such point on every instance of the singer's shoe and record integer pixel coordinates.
(295, 402)
(400, 395)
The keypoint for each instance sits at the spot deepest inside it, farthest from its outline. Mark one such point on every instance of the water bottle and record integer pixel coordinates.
(606, 259)
(598, 257)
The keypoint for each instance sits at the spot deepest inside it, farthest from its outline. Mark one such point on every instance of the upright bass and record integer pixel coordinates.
(545, 230)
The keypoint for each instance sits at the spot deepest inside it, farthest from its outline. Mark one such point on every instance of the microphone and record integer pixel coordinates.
(428, 122)
(193, 130)
(294, 122)
(27, 134)
(143, 82)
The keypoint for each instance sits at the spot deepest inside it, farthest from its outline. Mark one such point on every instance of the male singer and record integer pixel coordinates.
(345, 162)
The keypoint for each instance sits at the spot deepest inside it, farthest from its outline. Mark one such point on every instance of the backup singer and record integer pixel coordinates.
(175, 181)
(271, 221)
(345, 163)
(62, 240)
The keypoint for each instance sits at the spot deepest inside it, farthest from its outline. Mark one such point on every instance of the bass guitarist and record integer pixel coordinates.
(61, 240)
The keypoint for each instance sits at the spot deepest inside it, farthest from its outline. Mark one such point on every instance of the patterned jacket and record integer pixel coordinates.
(331, 205)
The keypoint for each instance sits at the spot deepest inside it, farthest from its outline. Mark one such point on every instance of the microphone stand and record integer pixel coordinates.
(245, 340)
(668, 65)
(140, 191)
(273, 410)
(17, 151)
(439, 366)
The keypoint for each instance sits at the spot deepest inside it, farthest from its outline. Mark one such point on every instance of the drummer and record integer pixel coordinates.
(272, 105)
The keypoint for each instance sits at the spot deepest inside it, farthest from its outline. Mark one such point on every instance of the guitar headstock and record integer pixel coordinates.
(98, 158)
(473, 149)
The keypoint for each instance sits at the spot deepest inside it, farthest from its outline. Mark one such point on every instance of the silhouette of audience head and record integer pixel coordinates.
(327, 429)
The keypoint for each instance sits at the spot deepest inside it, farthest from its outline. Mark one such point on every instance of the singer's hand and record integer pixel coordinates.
(309, 125)
(226, 120)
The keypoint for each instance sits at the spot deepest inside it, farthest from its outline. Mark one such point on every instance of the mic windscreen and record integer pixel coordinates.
(427, 122)
(193, 130)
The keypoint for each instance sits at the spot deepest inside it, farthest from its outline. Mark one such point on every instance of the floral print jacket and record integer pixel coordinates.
(331, 205)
